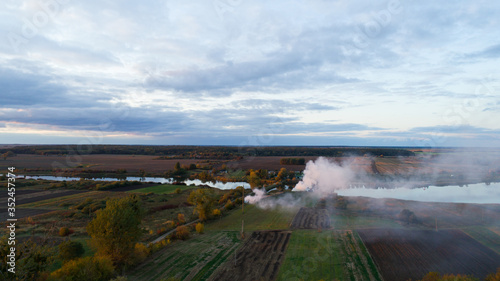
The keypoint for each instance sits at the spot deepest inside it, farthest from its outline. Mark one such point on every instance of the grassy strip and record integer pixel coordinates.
(56, 201)
(311, 256)
(161, 189)
(254, 218)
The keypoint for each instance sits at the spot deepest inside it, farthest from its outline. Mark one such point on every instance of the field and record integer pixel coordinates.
(258, 259)
(162, 189)
(254, 219)
(31, 196)
(311, 218)
(485, 236)
(131, 163)
(402, 254)
(195, 259)
(327, 255)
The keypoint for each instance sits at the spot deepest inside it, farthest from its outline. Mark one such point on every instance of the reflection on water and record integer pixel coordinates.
(473, 193)
(216, 184)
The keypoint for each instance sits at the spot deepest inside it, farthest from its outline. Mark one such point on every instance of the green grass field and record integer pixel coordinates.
(345, 221)
(327, 255)
(161, 189)
(484, 236)
(194, 259)
(254, 218)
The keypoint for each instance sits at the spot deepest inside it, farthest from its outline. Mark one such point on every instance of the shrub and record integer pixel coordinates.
(141, 252)
(229, 205)
(160, 231)
(98, 268)
(69, 250)
(170, 224)
(216, 213)
(180, 218)
(64, 231)
(200, 228)
(178, 191)
(182, 232)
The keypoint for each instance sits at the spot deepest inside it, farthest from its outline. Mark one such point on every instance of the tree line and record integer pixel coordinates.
(207, 152)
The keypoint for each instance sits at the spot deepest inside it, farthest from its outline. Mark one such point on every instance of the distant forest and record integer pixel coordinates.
(207, 152)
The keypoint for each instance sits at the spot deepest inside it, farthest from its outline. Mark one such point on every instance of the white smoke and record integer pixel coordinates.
(286, 201)
(259, 195)
(261, 200)
(324, 176)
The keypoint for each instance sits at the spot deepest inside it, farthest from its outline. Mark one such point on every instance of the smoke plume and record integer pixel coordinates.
(259, 194)
(324, 176)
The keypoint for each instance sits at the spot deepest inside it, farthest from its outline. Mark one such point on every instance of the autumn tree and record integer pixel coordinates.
(282, 174)
(32, 259)
(254, 179)
(204, 200)
(98, 268)
(116, 229)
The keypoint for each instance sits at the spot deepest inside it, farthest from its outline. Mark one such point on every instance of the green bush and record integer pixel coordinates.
(69, 250)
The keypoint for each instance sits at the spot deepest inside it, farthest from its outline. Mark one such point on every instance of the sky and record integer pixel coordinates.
(240, 72)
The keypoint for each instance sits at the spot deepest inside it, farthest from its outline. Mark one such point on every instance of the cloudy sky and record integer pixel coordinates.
(241, 72)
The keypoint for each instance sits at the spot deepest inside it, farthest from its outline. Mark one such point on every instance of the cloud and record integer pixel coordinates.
(184, 71)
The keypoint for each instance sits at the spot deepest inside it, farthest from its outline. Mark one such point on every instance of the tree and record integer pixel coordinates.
(32, 259)
(408, 216)
(254, 179)
(204, 200)
(182, 232)
(69, 250)
(116, 229)
(282, 174)
(180, 218)
(200, 228)
(177, 167)
(98, 268)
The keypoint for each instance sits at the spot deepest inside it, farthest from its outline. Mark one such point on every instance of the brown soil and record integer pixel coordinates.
(258, 259)
(102, 162)
(410, 254)
(311, 218)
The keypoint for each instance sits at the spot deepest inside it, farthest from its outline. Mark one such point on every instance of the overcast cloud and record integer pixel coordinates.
(250, 72)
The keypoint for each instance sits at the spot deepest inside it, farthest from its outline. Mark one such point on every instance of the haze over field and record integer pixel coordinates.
(250, 72)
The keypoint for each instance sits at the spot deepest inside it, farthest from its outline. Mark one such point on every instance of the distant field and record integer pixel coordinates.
(60, 202)
(273, 163)
(485, 236)
(131, 163)
(254, 219)
(162, 189)
(194, 259)
(326, 255)
(402, 254)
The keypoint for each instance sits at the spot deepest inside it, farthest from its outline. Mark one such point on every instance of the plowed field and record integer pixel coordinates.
(403, 254)
(259, 259)
(311, 218)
